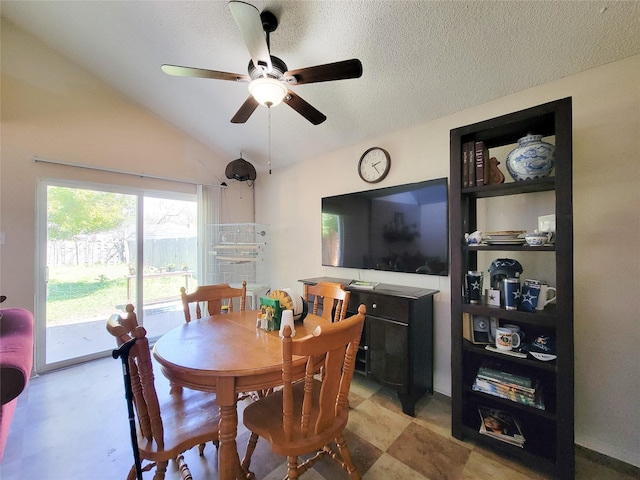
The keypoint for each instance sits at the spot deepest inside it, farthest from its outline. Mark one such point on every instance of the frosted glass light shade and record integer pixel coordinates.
(267, 91)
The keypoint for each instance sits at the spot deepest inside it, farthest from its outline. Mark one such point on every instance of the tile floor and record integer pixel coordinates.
(73, 423)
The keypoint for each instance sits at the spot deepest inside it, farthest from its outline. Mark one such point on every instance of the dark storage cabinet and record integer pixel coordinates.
(396, 349)
(549, 432)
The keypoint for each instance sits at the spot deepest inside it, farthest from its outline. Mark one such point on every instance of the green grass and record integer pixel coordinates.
(82, 293)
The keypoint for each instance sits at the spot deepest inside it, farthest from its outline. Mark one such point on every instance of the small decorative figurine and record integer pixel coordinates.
(495, 175)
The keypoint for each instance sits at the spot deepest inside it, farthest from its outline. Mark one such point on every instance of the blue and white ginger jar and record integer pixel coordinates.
(531, 159)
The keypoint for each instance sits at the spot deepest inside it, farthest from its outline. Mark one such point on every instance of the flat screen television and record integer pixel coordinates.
(402, 229)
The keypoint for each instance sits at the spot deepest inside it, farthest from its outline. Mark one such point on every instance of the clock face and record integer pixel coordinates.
(374, 165)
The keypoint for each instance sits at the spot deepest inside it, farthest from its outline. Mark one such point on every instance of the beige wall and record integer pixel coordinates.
(606, 142)
(52, 109)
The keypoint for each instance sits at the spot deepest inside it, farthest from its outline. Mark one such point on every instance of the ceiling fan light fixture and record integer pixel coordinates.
(268, 91)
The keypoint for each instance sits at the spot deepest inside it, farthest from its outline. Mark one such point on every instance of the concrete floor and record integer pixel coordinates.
(78, 340)
(72, 423)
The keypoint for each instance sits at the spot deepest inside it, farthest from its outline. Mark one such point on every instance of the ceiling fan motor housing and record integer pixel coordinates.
(279, 68)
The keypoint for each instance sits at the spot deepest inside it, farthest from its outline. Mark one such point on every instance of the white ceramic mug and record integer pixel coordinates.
(287, 319)
(547, 295)
(507, 339)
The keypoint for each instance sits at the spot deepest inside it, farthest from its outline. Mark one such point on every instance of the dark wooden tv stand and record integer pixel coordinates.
(396, 349)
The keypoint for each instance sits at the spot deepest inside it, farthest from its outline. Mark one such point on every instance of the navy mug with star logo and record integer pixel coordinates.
(529, 296)
(511, 293)
(474, 285)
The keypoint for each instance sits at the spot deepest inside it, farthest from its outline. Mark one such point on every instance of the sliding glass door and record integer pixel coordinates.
(102, 248)
(169, 250)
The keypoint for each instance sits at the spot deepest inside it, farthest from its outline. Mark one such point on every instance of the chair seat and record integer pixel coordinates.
(264, 418)
(189, 418)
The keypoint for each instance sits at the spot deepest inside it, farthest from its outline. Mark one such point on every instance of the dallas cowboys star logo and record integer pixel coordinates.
(527, 297)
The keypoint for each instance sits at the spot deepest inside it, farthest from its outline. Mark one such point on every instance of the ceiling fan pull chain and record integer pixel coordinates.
(269, 109)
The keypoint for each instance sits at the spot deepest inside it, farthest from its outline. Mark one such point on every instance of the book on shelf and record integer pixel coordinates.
(481, 157)
(471, 164)
(532, 397)
(468, 165)
(500, 425)
(506, 377)
(465, 166)
(362, 285)
(535, 400)
(509, 387)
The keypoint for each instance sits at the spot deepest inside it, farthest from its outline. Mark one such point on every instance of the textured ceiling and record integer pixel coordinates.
(421, 60)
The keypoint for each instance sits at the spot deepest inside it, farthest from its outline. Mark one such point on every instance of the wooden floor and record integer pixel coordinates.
(60, 432)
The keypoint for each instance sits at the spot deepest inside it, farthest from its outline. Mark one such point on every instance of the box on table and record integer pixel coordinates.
(274, 304)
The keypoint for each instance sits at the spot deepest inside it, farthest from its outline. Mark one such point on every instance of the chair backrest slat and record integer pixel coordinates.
(305, 419)
(142, 354)
(212, 297)
(145, 397)
(335, 299)
(336, 344)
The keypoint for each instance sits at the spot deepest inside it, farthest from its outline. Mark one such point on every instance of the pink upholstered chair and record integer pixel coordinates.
(16, 360)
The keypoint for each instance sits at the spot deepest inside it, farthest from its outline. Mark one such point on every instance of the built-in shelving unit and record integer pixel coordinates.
(548, 432)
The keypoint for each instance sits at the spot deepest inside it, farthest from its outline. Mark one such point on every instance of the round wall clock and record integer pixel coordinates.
(374, 165)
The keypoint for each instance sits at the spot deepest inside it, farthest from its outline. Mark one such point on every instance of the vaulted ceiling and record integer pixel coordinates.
(421, 60)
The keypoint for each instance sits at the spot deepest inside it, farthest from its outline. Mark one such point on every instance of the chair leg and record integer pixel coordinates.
(185, 474)
(310, 462)
(292, 464)
(246, 461)
(161, 469)
(348, 464)
(132, 473)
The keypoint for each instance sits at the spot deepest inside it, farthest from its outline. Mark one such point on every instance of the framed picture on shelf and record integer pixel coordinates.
(493, 297)
(478, 329)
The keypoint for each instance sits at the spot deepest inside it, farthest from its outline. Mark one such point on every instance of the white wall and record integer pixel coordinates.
(606, 116)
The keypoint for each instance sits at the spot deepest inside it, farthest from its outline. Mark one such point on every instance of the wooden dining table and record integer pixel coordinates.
(229, 355)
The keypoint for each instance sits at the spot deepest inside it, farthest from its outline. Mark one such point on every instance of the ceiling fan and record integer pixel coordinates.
(268, 76)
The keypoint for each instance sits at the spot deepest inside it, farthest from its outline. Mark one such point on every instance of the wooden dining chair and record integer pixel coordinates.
(212, 298)
(307, 415)
(167, 425)
(332, 297)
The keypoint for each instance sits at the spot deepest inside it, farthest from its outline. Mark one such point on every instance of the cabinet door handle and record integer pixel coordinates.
(366, 347)
(374, 306)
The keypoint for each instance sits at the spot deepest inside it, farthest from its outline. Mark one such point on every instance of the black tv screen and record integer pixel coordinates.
(402, 229)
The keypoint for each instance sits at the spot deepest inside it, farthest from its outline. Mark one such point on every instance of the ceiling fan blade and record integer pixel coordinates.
(303, 108)
(247, 18)
(178, 71)
(245, 111)
(326, 73)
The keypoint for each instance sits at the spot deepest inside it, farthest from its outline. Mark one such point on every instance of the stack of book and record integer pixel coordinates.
(475, 164)
(518, 388)
(500, 425)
